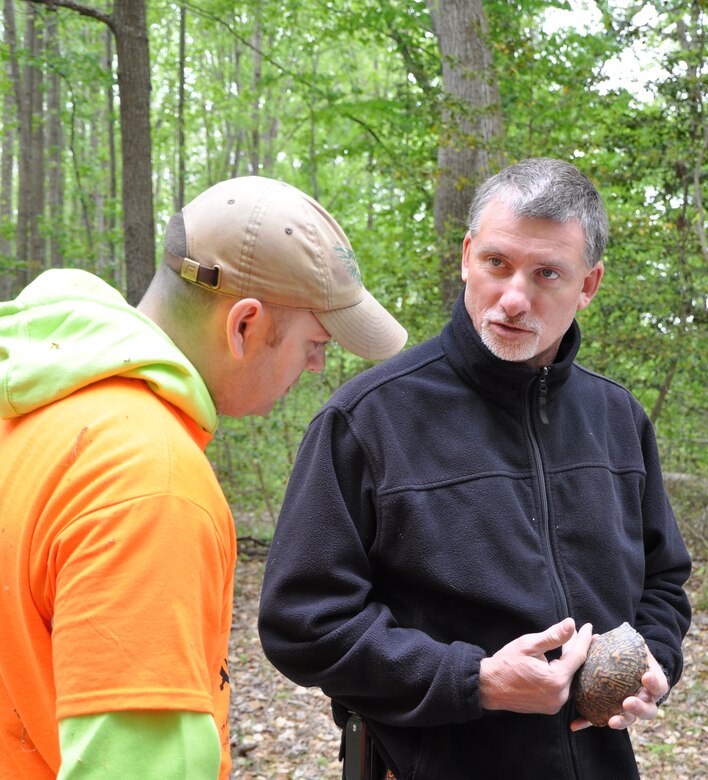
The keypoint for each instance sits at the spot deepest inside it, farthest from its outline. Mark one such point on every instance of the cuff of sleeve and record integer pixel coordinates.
(663, 698)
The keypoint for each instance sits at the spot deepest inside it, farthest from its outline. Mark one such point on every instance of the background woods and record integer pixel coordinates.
(389, 112)
(117, 112)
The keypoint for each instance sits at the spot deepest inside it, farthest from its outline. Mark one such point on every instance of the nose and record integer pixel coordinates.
(316, 360)
(516, 296)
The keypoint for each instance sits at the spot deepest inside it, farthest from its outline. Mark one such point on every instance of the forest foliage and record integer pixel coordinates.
(351, 101)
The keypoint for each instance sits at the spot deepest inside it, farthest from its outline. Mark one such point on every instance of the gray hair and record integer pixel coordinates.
(544, 188)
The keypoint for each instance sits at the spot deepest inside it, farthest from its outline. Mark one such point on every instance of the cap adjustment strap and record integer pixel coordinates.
(192, 271)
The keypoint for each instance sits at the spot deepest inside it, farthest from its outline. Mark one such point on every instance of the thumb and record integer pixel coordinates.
(554, 636)
(576, 650)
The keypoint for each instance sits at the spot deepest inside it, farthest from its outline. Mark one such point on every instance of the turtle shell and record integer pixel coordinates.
(612, 671)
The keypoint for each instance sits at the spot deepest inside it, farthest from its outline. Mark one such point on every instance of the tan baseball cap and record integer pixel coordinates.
(254, 237)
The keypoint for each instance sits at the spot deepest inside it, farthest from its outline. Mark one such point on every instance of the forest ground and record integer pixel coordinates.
(280, 731)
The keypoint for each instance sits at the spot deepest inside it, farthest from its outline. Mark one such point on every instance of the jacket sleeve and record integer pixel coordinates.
(664, 613)
(320, 621)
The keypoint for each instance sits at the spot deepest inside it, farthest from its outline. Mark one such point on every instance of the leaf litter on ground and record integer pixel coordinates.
(281, 731)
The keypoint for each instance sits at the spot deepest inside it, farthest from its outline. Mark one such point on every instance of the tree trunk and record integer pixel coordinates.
(129, 25)
(55, 179)
(27, 81)
(130, 28)
(9, 121)
(471, 126)
(34, 82)
(663, 391)
(239, 140)
(256, 84)
(24, 123)
(179, 200)
(111, 257)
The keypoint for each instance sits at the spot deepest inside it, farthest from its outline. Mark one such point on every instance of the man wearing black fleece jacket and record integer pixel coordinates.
(456, 512)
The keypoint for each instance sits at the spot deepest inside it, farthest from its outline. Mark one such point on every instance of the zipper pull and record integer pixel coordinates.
(543, 394)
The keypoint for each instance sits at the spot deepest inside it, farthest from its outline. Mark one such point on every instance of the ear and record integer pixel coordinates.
(467, 241)
(245, 317)
(591, 284)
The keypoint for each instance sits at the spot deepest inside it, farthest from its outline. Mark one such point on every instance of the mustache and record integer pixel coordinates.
(523, 321)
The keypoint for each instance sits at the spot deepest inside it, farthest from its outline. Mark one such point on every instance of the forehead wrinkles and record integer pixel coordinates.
(500, 215)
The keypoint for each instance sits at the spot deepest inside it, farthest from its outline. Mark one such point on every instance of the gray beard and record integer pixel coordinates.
(520, 352)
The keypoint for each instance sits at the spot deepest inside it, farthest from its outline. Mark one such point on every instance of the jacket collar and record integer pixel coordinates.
(496, 378)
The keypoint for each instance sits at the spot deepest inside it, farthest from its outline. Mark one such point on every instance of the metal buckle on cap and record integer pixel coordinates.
(190, 270)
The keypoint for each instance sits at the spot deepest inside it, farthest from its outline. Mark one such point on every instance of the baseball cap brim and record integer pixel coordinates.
(366, 329)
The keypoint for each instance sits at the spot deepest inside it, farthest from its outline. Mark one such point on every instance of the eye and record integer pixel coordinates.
(496, 261)
(549, 273)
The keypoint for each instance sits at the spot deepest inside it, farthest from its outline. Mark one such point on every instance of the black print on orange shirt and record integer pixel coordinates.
(224, 672)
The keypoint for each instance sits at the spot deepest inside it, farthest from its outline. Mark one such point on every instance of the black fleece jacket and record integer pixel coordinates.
(442, 504)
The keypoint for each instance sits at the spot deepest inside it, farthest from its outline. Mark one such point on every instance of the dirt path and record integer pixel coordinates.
(283, 732)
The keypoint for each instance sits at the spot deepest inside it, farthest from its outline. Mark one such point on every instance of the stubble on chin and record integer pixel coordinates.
(522, 351)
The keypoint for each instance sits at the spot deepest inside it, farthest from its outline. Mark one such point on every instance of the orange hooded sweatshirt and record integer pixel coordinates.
(117, 546)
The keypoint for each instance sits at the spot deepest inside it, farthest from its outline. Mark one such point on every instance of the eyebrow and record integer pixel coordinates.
(491, 249)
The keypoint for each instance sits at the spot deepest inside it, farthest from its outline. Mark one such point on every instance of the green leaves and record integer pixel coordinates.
(344, 99)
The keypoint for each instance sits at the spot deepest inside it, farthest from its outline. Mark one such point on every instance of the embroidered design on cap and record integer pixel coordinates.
(348, 258)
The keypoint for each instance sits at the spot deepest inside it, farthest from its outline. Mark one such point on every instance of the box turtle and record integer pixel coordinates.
(612, 671)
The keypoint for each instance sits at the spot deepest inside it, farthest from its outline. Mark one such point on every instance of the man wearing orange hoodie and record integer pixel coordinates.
(117, 546)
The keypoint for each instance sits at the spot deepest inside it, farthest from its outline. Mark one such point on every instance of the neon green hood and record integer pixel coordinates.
(68, 329)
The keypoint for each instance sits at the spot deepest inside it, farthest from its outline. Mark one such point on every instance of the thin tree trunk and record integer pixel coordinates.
(55, 179)
(37, 242)
(238, 151)
(24, 120)
(28, 82)
(471, 122)
(179, 203)
(256, 111)
(111, 257)
(79, 194)
(312, 162)
(9, 122)
(663, 391)
(99, 261)
(6, 203)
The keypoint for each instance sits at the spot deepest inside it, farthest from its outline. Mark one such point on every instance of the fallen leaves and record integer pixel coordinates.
(281, 731)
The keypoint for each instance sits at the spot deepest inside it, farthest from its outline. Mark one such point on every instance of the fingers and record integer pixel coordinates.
(581, 640)
(579, 724)
(634, 708)
(651, 683)
(574, 644)
(554, 636)
(575, 650)
(655, 680)
(622, 721)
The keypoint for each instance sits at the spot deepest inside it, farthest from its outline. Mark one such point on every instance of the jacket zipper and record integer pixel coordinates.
(545, 527)
(540, 476)
(543, 395)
